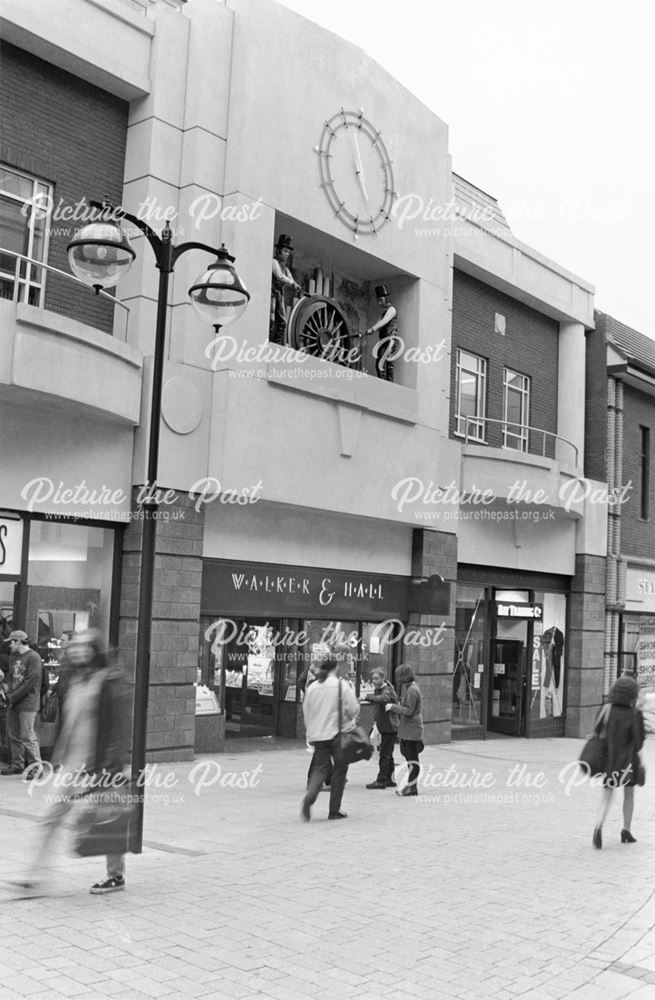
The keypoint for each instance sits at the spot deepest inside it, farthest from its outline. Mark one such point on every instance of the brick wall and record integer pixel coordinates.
(433, 552)
(175, 627)
(595, 431)
(529, 346)
(72, 135)
(586, 643)
(637, 536)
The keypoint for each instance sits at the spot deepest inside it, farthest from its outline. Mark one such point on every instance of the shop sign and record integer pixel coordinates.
(526, 612)
(306, 592)
(11, 545)
(640, 589)
(646, 658)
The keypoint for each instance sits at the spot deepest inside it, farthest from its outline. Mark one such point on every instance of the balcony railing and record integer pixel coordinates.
(26, 284)
(484, 431)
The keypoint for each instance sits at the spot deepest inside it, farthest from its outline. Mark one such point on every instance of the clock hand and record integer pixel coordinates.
(359, 169)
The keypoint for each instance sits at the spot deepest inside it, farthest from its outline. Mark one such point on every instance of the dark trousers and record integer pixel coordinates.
(312, 764)
(387, 764)
(327, 761)
(410, 751)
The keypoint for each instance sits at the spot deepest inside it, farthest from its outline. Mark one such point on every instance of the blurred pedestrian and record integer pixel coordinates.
(382, 695)
(23, 702)
(624, 726)
(410, 728)
(328, 701)
(91, 750)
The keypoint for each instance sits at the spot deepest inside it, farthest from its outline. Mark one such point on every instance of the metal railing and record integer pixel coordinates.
(475, 432)
(31, 291)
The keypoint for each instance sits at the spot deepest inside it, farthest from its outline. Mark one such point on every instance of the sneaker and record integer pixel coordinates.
(390, 783)
(111, 883)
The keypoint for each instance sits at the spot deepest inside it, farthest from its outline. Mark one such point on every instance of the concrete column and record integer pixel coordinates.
(571, 389)
(175, 625)
(433, 552)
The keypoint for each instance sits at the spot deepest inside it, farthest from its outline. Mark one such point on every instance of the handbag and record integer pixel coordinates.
(593, 758)
(355, 744)
(104, 824)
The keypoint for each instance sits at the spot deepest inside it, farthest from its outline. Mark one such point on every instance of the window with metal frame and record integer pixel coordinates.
(516, 410)
(25, 203)
(471, 396)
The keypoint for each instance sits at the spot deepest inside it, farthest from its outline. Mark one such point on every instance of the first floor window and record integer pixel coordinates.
(516, 410)
(24, 212)
(471, 395)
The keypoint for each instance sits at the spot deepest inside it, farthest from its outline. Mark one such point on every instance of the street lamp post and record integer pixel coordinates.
(101, 255)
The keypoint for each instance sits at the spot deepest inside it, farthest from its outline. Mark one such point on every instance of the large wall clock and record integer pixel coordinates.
(356, 172)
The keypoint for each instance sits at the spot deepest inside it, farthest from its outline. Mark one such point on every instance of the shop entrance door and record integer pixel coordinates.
(507, 688)
(251, 679)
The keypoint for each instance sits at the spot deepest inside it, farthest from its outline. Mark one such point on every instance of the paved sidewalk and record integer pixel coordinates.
(466, 893)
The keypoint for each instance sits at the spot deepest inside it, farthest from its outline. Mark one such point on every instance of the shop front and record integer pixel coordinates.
(637, 624)
(509, 673)
(57, 578)
(263, 624)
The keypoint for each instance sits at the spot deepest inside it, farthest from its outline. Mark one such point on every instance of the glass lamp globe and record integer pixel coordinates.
(219, 296)
(100, 254)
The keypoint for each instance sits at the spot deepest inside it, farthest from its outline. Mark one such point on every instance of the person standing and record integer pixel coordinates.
(625, 734)
(325, 701)
(23, 702)
(387, 723)
(387, 329)
(410, 729)
(91, 749)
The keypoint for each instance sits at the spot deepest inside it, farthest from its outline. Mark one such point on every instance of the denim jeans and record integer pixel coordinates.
(22, 738)
(327, 759)
(387, 764)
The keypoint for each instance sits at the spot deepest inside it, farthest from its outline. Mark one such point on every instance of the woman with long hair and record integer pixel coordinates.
(410, 729)
(624, 725)
(327, 699)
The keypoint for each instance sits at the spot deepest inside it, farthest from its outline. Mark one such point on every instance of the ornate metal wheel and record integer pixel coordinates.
(319, 327)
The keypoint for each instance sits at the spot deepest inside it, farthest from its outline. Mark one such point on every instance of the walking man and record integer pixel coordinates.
(23, 699)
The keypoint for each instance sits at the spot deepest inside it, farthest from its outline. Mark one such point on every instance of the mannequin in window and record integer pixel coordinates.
(283, 281)
(387, 328)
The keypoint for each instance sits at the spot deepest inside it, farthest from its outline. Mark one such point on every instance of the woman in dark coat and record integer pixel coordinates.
(625, 737)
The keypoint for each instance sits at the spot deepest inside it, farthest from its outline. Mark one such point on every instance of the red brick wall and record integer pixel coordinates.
(529, 346)
(72, 135)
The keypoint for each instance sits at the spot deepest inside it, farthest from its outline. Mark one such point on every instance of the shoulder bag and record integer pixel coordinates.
(355, 744)
(593, 759)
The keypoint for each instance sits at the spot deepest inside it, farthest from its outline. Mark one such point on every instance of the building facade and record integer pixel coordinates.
(299, 488)
(620, 390)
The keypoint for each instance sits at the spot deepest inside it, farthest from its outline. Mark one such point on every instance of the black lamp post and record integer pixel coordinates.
(101, 255)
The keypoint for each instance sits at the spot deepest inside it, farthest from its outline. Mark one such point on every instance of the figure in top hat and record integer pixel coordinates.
(283, 279)
(386, 348)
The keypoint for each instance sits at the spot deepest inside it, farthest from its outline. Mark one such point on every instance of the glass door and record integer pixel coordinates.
(507, 689)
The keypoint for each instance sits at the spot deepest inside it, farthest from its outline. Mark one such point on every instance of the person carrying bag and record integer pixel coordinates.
(329, 709)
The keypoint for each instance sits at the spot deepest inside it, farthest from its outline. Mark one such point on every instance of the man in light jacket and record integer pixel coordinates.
(321, 712)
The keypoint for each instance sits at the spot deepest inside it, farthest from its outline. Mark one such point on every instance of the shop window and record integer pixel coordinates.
(69, 582)
(644, 480)
(24, 204)
(548, 658)
(471, 396)
(469, 662)
(516, 410)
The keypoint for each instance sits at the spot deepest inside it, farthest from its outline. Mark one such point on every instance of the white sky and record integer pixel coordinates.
(548, 110)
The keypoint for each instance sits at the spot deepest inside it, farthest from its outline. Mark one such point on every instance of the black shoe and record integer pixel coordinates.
(390, 783)
(377, 784)
(597, 839)
(338, 815)
(305, 810)
(627, 838)
(12, 770)
(112, 883)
